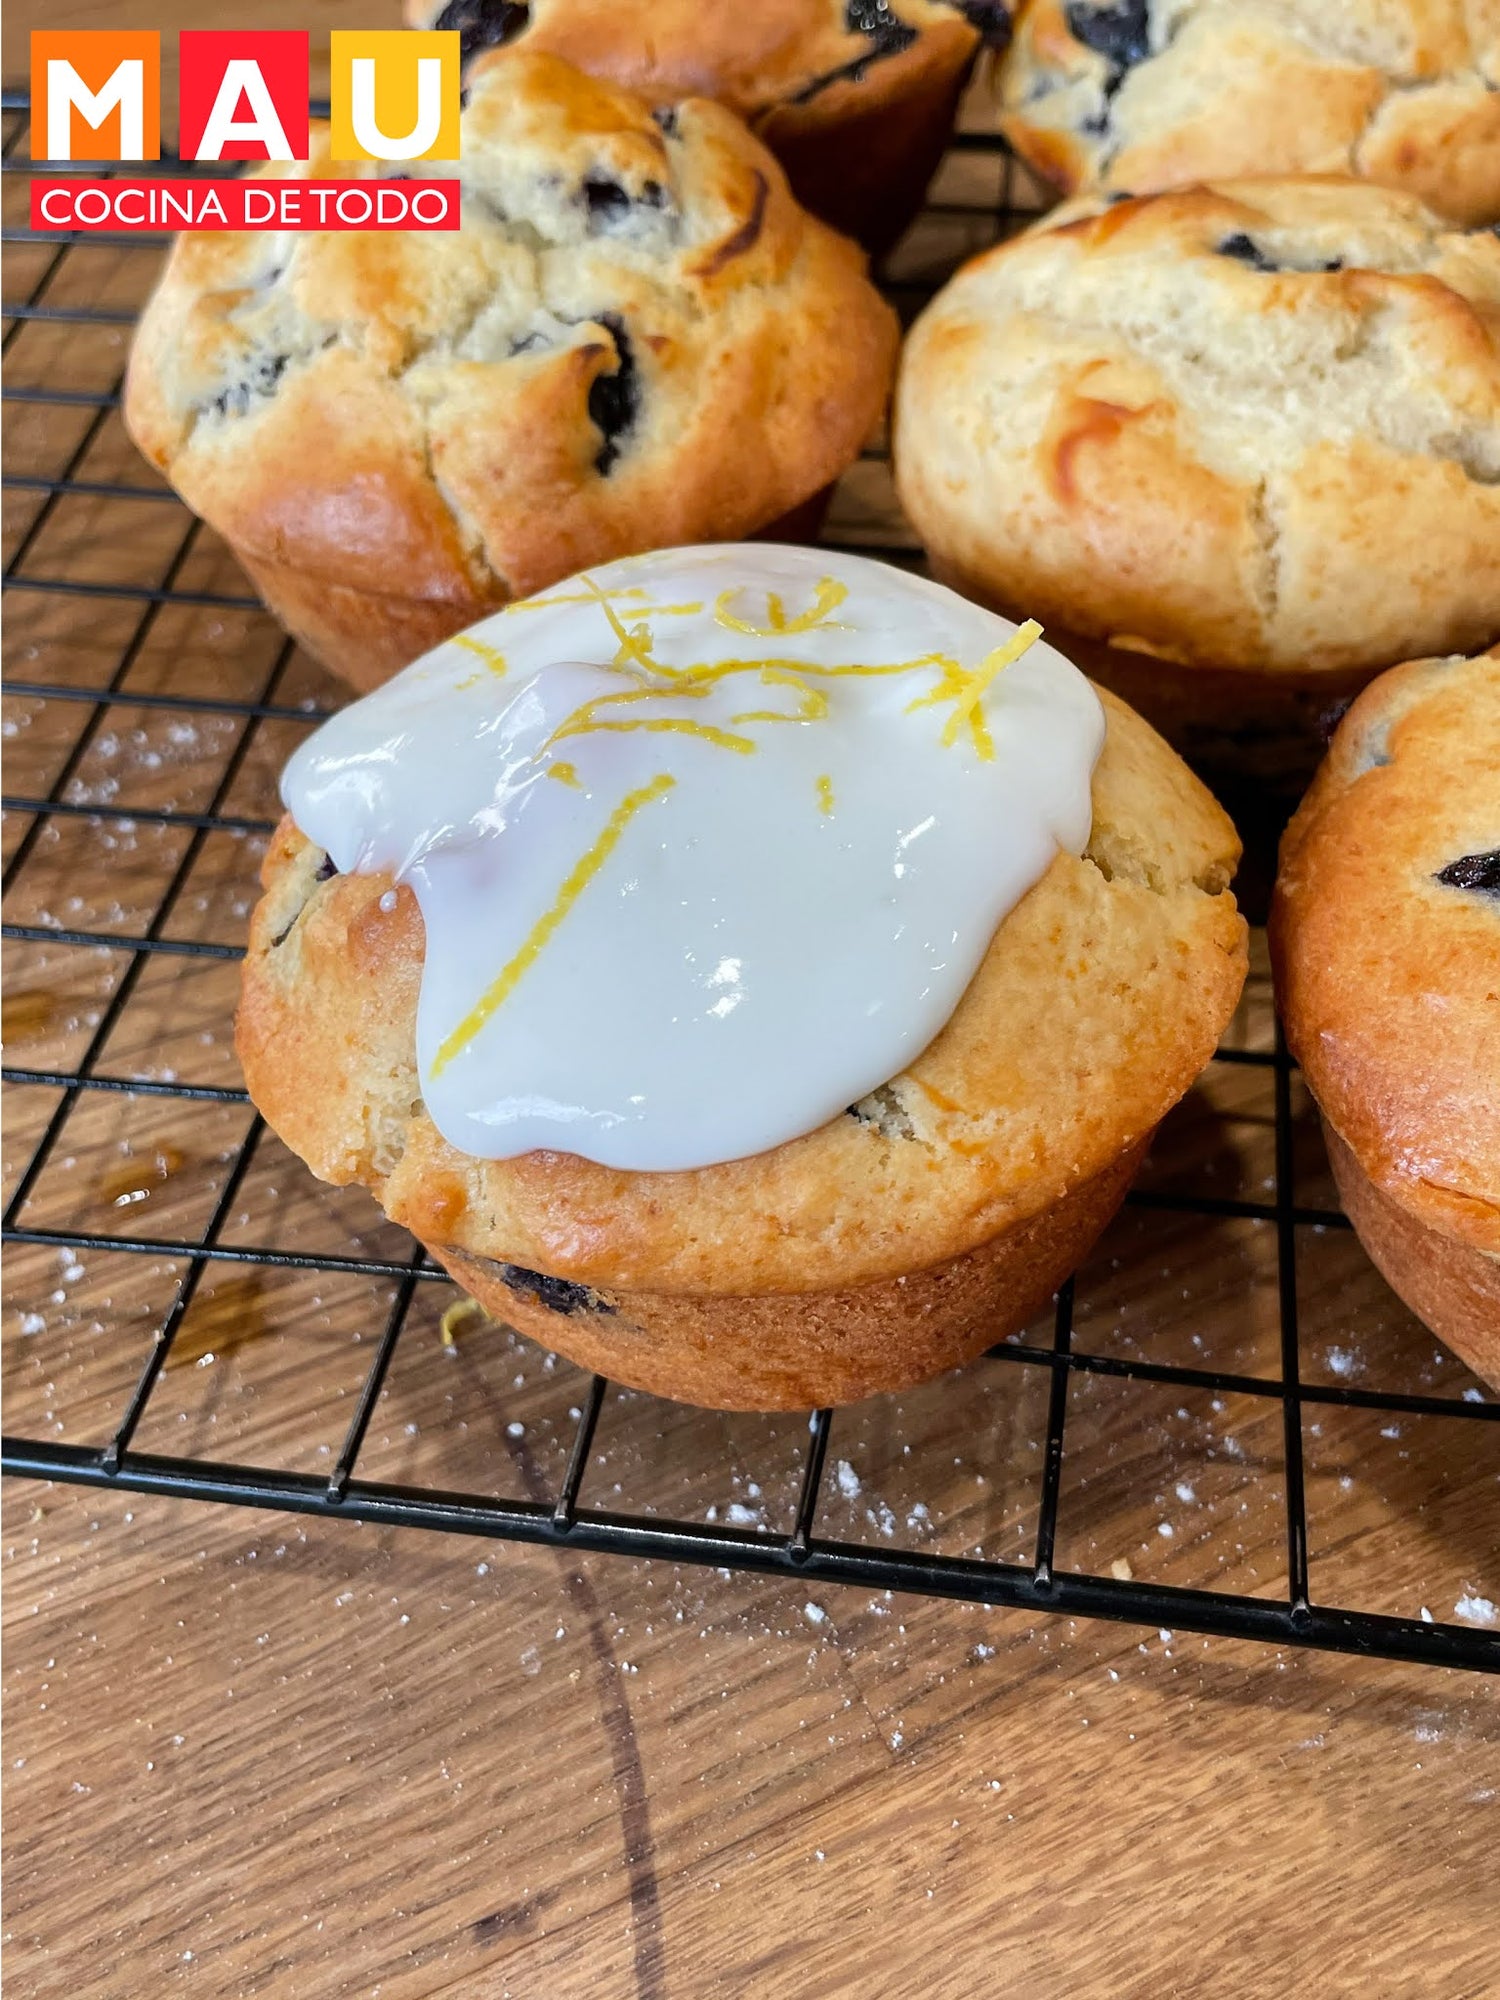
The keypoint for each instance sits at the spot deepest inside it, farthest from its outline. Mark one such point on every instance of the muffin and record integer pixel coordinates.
(1386, 939)
(635, 338)
(1238, 446)
(774, 1066)
(1150, 94)
(856, 98)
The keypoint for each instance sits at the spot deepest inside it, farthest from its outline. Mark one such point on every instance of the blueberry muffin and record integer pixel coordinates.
(856, 98)
(1242, 441)
(922, 1180)
(635, 338)
(1386, 938)
(1148, 94)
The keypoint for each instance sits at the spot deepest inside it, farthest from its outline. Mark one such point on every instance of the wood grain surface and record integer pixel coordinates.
(250, 1755)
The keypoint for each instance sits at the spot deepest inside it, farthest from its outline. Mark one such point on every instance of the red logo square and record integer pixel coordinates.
(244, 94)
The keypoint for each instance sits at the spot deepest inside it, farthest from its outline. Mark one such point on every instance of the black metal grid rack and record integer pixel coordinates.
(558, 1518)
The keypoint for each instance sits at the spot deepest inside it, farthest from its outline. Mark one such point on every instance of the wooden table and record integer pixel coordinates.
(250, 1755)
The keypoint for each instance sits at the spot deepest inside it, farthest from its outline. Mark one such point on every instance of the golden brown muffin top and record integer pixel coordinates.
(1100, 999)
(1386, 931)
(1147, 94)
(1252, 424)
(636, 338)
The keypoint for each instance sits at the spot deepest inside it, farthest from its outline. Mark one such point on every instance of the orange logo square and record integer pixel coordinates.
(96, 94)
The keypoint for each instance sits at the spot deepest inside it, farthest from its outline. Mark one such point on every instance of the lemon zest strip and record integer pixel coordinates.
(671, 725)
(812, 708)
(594, 593)
(493, 658)
(709, 672)
(635, 641)
(949, 684)
(828, 596)
(464, 1312)
(979, 681)
(578, 879)
(585, 722)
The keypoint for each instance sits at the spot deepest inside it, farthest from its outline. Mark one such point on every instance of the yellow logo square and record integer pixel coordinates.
(394, 94)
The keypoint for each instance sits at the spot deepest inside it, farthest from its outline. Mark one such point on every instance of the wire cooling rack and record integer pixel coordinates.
(130, 623)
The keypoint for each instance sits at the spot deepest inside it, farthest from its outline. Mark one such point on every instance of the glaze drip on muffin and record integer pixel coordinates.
(707, 844)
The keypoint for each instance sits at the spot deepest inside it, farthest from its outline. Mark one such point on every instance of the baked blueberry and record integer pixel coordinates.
(483, 24)
(1479, 872)
(559, 1295)
(614, 400)
(1247, 251)
(1119, 31)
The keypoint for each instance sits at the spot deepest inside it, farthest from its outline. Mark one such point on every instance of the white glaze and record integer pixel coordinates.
(770, 936)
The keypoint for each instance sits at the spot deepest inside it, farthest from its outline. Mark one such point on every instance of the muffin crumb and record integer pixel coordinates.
(884, 1110)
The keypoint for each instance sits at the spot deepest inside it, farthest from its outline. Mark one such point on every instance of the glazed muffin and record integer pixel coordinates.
(1386, 938)
(635, 338)
(957, 1032)
(856, 98)
(1241, 442)
(1149, 94)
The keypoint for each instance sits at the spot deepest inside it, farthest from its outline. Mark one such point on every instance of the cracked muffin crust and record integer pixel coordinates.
(1243, 439)
(898, 1240)
(1386, 939)
(635, 339)
(1148, 94)
(855, 97)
